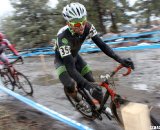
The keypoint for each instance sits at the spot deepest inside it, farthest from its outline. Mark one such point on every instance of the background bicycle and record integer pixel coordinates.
(13, 79)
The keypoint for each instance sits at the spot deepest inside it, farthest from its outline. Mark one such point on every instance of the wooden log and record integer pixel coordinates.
(136, 116)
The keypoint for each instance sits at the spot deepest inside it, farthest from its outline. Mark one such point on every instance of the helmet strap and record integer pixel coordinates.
(70, 29)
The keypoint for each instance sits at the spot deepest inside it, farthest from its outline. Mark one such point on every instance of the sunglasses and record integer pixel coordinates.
(79, 23)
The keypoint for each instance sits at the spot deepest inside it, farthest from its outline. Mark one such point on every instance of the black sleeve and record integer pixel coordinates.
(71, 69)
(105, 48)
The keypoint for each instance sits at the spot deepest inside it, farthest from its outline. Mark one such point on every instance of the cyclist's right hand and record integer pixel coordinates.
(127, 62)
(95, 91)
(88, 85)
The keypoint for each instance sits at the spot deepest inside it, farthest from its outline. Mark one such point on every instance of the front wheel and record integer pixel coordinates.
(7, 81)
(115, 108)
(24, 84)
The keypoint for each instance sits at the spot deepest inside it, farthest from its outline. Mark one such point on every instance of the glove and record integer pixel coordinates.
(20, 57)
(127, 63)
(95, 91)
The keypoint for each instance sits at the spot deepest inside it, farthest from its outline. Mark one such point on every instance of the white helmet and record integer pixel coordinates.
(74, 11)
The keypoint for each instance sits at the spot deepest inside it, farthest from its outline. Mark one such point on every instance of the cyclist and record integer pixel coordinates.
(4, 43)
(71, 68)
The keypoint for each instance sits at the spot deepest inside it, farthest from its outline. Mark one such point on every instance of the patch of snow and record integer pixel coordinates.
(140, 86)
(143, 44)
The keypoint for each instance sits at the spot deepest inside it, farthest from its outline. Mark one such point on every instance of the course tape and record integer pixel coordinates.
(133, 35)
(46, 110)
(140, 47)
(155, 39)
(90, 50)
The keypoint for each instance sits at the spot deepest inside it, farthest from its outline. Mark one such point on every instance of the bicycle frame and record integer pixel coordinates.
(10, 71)
(110, 92)
(10, 68)
(94, 112)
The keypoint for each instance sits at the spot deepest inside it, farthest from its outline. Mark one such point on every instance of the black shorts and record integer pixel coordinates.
(64, 76)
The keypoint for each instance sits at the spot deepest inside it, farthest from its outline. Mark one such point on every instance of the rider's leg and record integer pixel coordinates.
(4, 58)
(6, 63)
(68, 83)
(86, 72)
(69, 86)
(96, 91)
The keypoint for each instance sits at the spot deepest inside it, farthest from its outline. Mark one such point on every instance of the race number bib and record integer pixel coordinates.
(64, 51)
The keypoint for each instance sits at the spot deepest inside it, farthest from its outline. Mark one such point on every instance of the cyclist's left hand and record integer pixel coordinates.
(127, 62)
(20, 57)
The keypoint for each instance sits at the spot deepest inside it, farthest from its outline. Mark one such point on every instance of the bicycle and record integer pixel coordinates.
(115, 103)
(12, 78)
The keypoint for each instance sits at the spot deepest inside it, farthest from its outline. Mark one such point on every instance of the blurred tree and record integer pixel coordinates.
(100, 12)
(146, 10)
(35, 23)
(109, 13)
(32, 21)
(92, 14)
(116, 13)
(58, 19)
(100, 9)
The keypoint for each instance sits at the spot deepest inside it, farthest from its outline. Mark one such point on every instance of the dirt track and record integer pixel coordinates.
(141, 86)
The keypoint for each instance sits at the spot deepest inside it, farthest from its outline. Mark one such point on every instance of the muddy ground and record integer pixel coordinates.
(141, 86)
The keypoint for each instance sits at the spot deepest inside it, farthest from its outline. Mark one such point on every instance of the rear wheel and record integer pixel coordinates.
(86, 112)
(7, 81)
(24, 84)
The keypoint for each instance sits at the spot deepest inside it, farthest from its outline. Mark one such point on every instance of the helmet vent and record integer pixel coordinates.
(74, 11)
(78, 12)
